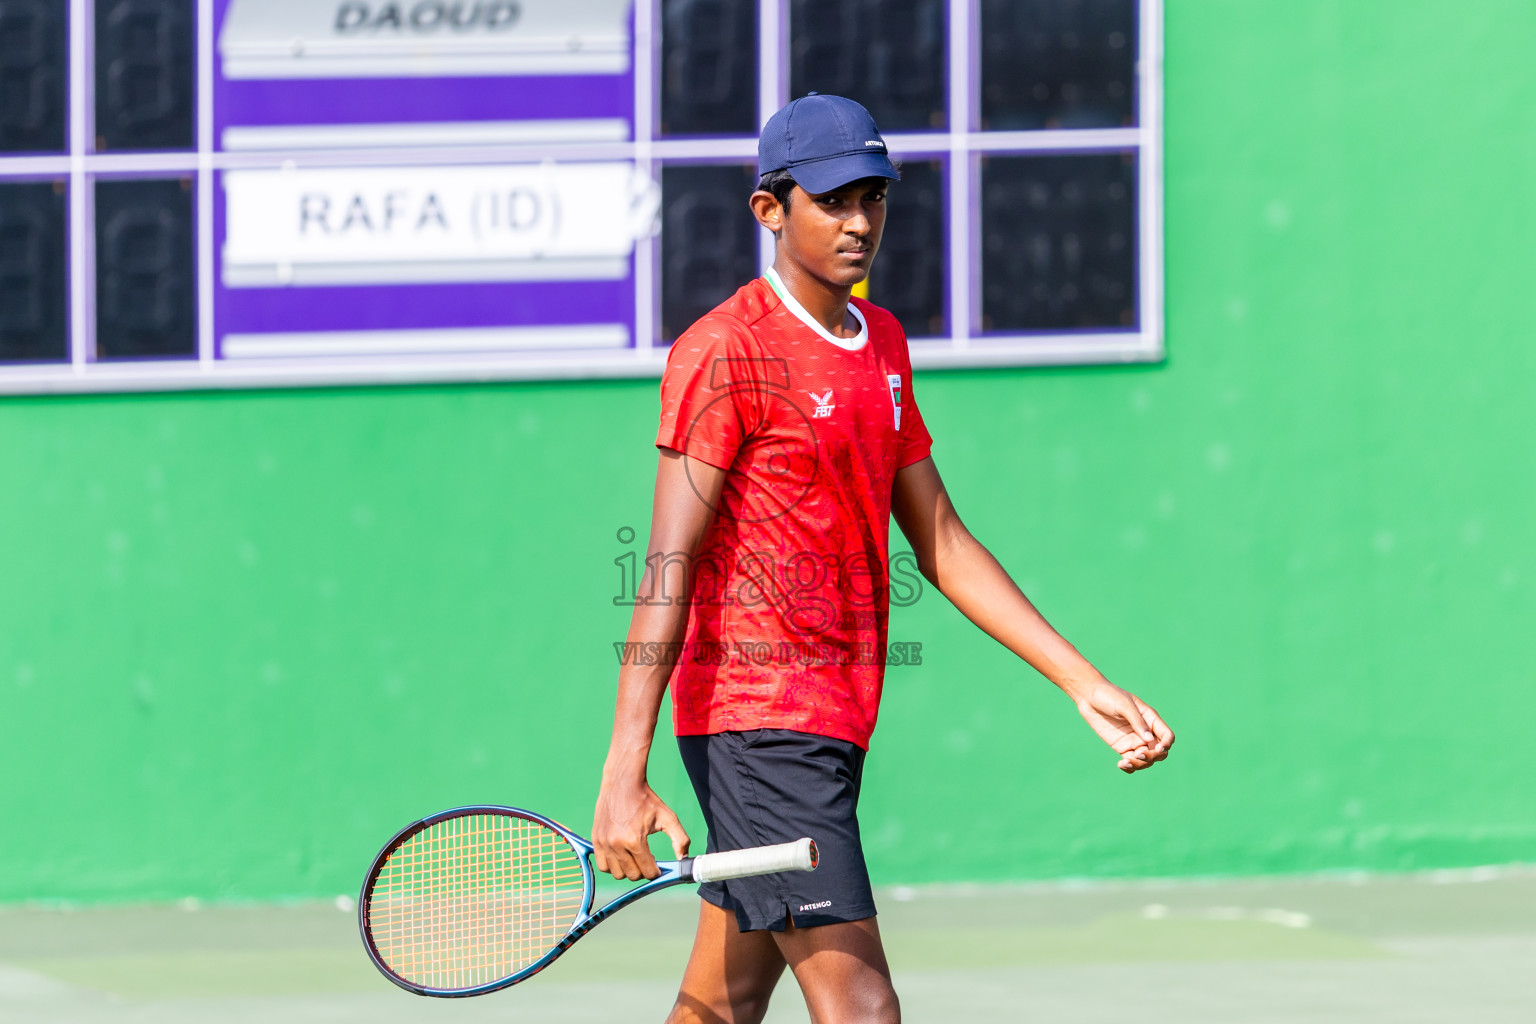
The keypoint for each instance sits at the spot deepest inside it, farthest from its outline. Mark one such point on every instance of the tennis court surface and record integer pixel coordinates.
(1448, 946)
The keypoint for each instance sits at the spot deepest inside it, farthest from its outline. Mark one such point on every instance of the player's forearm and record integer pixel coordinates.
(641, 688)
(973, 580)
(634, 727)
(681, 512)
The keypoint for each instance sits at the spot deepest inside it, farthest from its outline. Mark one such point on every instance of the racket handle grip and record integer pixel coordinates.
(760, 860)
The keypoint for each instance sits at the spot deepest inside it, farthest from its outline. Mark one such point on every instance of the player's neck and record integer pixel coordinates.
(826, 303)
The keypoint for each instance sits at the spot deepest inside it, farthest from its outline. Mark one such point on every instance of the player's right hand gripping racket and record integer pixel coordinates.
(475, 899)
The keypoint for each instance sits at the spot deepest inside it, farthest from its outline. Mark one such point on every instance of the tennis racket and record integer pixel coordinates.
(475, 899)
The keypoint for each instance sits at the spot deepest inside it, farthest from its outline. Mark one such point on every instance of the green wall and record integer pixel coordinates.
(242, 637)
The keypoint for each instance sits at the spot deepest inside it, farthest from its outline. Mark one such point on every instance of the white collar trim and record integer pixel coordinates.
(852, 344)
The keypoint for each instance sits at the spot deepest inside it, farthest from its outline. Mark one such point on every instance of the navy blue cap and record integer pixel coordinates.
(824, 142)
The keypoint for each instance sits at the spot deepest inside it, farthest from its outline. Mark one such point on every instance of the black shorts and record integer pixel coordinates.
(770, 786)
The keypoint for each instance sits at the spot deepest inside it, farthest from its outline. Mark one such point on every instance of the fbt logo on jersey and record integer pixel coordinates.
(824, 405)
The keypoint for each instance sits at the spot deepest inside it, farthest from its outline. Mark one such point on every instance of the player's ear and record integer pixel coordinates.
(767, 210)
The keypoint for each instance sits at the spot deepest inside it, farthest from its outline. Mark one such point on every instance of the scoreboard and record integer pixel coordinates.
(245, 193)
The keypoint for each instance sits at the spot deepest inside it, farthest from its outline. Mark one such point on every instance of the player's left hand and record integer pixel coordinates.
(1127, 724)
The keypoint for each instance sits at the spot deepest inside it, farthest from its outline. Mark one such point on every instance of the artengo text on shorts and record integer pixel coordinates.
(815, 906)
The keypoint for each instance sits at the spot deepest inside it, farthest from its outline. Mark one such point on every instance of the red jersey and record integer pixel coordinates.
(787, 628)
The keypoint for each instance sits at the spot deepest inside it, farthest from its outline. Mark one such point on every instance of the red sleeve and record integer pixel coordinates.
(700, 415)
(914, 444)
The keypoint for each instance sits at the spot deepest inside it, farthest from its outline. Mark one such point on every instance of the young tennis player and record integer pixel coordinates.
(789, 436)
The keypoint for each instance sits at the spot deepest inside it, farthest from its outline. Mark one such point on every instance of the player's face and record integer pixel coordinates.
(834, 235)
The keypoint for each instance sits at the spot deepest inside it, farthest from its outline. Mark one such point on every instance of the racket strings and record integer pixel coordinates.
(474, 899)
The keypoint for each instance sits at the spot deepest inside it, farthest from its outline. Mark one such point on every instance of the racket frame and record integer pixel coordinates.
(677, 872)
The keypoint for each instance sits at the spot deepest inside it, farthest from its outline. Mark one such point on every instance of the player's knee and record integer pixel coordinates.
(870, 1003)
(738, 1005)
(748, 994)
(880, 1006)
(749, 1007)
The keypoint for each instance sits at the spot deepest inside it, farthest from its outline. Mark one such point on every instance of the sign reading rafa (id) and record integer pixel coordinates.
(391, 225)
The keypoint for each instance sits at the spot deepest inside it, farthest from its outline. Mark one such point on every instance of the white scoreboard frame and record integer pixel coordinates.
(960, 144)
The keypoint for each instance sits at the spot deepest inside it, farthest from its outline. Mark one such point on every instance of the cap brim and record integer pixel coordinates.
(817, 176)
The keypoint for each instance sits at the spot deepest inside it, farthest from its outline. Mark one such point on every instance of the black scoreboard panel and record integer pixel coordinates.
(1059, 241)
(708, 67)
(887, 54)
(33, 287)
(145, 92)
(34, 65)
(1058, 63)
(1054, 239)
(1026, 227)
(145, 285)
(708, 240)
(911, 267)
(709, 246)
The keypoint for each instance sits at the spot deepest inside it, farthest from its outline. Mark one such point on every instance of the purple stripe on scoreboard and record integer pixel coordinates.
(423, 306)
(394, 100)
(372, 307)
